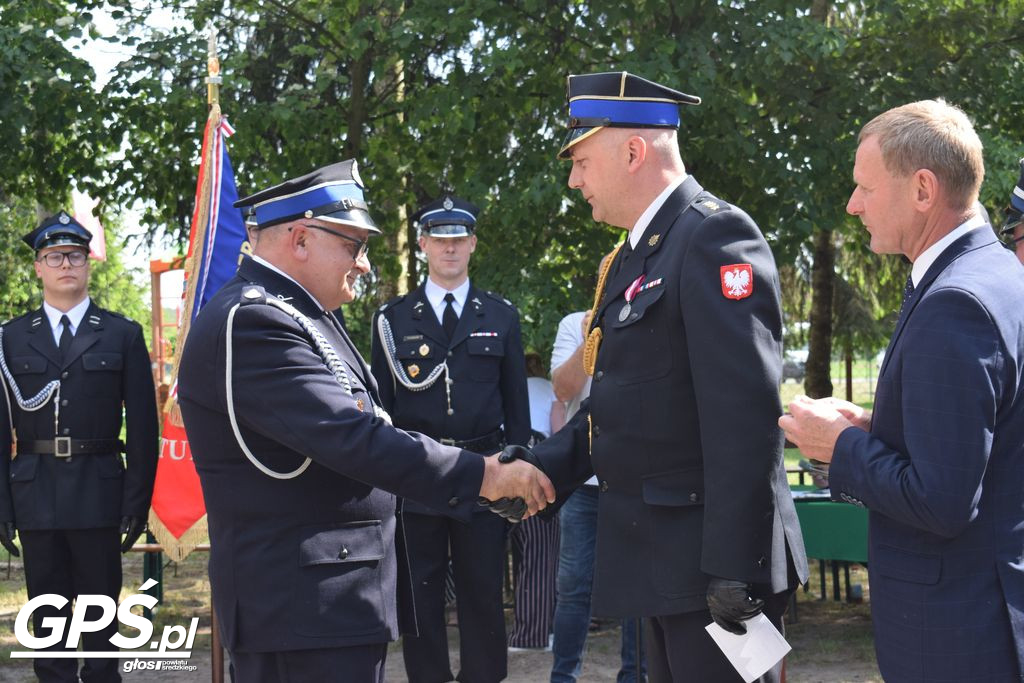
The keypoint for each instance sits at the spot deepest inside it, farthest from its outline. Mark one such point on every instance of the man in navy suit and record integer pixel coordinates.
(940, 463)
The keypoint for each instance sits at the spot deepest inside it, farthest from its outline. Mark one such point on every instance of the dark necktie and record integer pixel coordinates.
(627, 251)
(65, 336)
(908, 291)
(449, 320)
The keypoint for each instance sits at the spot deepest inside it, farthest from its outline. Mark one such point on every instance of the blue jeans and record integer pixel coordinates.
(578, 519)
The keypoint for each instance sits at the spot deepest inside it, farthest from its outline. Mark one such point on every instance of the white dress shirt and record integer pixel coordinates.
(75, 316)
(435, 295)
(928, 256)
(648, 215)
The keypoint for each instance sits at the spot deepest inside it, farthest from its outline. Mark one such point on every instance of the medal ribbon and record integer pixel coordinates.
(632, 290)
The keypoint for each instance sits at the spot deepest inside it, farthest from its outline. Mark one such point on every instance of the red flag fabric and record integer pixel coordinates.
(177, 515)
(82, 206)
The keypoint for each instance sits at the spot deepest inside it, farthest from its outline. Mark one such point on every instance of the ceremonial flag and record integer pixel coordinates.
(178, 515)
(82, 206)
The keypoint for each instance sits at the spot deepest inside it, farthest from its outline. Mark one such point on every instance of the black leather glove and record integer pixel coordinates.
(7, 533)
(132, 528)
(511, 453)
(511, 509)
(730, 604)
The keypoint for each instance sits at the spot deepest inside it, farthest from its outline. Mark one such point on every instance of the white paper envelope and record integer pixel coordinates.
(756, 651)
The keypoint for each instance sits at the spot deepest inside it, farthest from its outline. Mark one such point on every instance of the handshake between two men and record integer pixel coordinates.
(515, 485)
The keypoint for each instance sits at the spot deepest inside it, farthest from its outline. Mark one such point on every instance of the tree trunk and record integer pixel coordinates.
(848, 353)
(818, 383)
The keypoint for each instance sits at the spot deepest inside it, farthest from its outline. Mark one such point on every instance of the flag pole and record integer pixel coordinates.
(213, 79)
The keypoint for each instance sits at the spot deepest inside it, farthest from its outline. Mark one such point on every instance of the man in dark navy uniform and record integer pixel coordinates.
(69, 368)
(449, 362)
(696, 522)
(1013, 227)
(298, 461)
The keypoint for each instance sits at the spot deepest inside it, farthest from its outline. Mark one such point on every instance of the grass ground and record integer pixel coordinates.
(831, 640)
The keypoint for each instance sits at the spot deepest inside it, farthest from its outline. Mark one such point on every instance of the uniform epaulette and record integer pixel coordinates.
(391, 302)
(708, 204)
(253, 294)
(23, 315)
(119, 315)
(499, 297)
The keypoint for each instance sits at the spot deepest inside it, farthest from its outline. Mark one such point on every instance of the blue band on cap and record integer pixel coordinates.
(1017, 198)
(450, 216)
(297, 204)
(627, 111)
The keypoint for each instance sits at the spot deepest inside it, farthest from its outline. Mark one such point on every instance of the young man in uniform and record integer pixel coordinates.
(449, 362)
(69, 369)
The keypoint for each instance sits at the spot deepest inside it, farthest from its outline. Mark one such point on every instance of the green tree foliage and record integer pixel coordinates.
(433, 97)
(50, 118)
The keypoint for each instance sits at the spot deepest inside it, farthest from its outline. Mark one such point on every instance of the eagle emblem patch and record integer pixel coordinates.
(737, 281)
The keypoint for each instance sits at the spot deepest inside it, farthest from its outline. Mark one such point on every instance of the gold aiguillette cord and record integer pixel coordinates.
(593, 341)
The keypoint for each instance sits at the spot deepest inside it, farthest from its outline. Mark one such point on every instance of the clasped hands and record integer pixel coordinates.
(514, 485)
(814, 425)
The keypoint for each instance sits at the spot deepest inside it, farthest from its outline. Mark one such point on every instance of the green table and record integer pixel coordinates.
(837, 532)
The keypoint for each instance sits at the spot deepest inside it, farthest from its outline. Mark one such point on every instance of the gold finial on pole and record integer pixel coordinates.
(213, 80)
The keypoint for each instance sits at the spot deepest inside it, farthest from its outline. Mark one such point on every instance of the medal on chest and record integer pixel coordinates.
(630, 294)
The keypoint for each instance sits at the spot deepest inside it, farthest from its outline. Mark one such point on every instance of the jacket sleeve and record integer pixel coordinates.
(380, 368)
(953, 386)
(514, 397)
(735, 353)
(284, 392)
(565, 457)
(141, 427)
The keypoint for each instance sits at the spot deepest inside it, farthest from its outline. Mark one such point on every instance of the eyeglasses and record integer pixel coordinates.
(361, 250)
(55, 259)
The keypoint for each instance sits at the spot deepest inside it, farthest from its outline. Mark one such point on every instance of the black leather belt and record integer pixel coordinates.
(485, 445)
(65, 446)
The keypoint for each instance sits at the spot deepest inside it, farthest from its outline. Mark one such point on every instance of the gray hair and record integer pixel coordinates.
(933, 135)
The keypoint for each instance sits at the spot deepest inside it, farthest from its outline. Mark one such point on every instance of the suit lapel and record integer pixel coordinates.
(975, 239)
(41, 337)
(86, 336)
(472, 316)
(654, 236)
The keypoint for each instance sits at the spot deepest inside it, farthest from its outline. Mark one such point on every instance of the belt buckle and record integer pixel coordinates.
(448, 442)
(62, 446)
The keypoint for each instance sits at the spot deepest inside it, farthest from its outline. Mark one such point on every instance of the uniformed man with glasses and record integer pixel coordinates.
(297, 459)
(1013, 228)
(70, 371)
